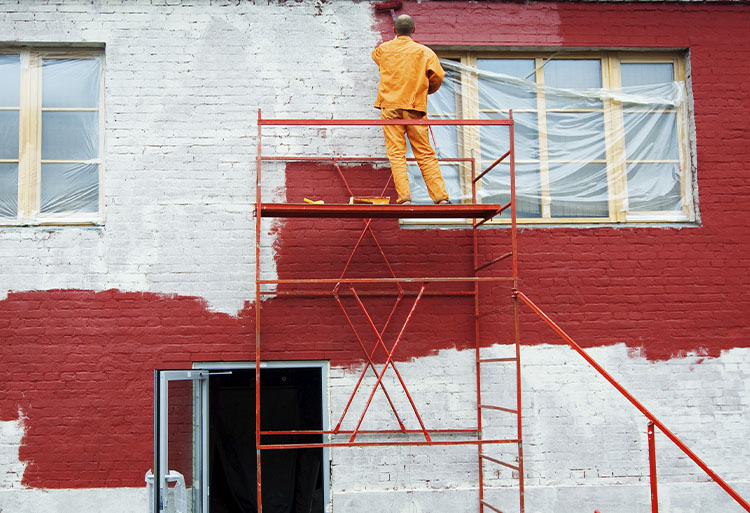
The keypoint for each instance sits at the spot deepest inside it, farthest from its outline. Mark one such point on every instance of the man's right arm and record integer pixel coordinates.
(435, 73)
(376, 53)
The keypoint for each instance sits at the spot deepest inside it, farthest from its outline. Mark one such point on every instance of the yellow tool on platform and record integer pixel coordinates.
(369, 201)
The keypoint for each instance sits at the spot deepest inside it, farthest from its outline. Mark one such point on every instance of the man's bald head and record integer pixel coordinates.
(404, 25)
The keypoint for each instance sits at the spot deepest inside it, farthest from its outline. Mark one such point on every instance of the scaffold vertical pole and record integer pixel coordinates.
(258, 204)
(516, 317)
(478, 358)
(652, 468)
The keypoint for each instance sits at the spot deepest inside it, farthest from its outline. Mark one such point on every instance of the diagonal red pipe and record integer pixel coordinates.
(650, 416)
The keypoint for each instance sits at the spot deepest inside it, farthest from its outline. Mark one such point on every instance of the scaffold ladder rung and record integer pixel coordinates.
(496, 360)
(502, 309)
(495, 214)
(494, 460)
(493, 508)
(493, 261)
(498, 408)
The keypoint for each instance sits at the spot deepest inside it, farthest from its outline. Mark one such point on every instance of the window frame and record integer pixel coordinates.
(614, 140)
(30, 137)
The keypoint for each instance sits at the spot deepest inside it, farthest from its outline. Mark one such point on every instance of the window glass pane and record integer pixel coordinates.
(499, 94)
(578, 136)
(519, 68)
(495, 140)
(578, 190)
(70, 188)
(572, 74)
(70, 135)
(8, 190)
(418, 188)
(643, 74)
(495, 188)
(444, 142)
(442, 103)
(650, 136)
(183, 448)
(10, 80)
(8, 134)
(70, 83)
(654, 187)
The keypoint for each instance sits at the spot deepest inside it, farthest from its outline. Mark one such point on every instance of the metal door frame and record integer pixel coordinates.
(161, 442)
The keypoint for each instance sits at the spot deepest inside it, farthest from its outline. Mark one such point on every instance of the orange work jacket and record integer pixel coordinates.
(408, 72)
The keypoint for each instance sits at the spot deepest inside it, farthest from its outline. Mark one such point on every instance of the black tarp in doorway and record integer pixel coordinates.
(292, 479)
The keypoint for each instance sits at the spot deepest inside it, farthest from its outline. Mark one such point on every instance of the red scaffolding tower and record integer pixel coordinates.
(479, 214)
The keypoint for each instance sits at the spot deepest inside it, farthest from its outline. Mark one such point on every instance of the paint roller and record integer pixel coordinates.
(391, 6)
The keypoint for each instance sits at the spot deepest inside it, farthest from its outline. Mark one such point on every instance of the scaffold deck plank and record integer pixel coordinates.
(472, 211)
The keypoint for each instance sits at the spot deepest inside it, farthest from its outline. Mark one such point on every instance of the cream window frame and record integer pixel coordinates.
(614, 140)
(30, 138)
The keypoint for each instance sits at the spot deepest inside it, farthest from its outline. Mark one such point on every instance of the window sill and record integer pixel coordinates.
(54, 220)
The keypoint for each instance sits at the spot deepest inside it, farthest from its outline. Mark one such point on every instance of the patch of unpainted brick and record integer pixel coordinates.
(11, 467)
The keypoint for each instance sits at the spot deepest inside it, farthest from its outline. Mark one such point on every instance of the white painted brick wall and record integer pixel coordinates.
(11, 468)
(184, 81)
(585, 446)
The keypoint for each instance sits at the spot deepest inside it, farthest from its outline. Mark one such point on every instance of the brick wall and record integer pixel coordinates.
(89, 312)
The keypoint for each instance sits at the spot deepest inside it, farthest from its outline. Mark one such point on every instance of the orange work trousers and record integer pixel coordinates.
(395, 147)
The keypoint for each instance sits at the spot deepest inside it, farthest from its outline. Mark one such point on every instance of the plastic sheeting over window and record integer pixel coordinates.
(49, 144)
(70, 136)
(583, 151)
(10, 82)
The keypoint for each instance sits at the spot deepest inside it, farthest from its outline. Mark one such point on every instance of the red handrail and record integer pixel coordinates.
(690, 454)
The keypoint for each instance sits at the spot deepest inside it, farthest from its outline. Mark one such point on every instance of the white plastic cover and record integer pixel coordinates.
(70, 134)
(10, 82)
(66, 180)
(581, 151)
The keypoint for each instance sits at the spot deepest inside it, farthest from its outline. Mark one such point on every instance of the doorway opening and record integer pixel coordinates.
(293, 480)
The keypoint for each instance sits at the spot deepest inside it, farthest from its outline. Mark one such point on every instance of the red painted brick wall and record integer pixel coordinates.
(665, 290)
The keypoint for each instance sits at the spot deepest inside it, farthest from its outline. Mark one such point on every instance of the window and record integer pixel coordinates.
(599, 137)
(50, 144)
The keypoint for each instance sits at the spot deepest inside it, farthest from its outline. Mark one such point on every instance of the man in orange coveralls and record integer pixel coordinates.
(409, 71)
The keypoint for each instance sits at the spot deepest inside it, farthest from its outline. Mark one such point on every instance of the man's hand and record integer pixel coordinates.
(434, 81)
